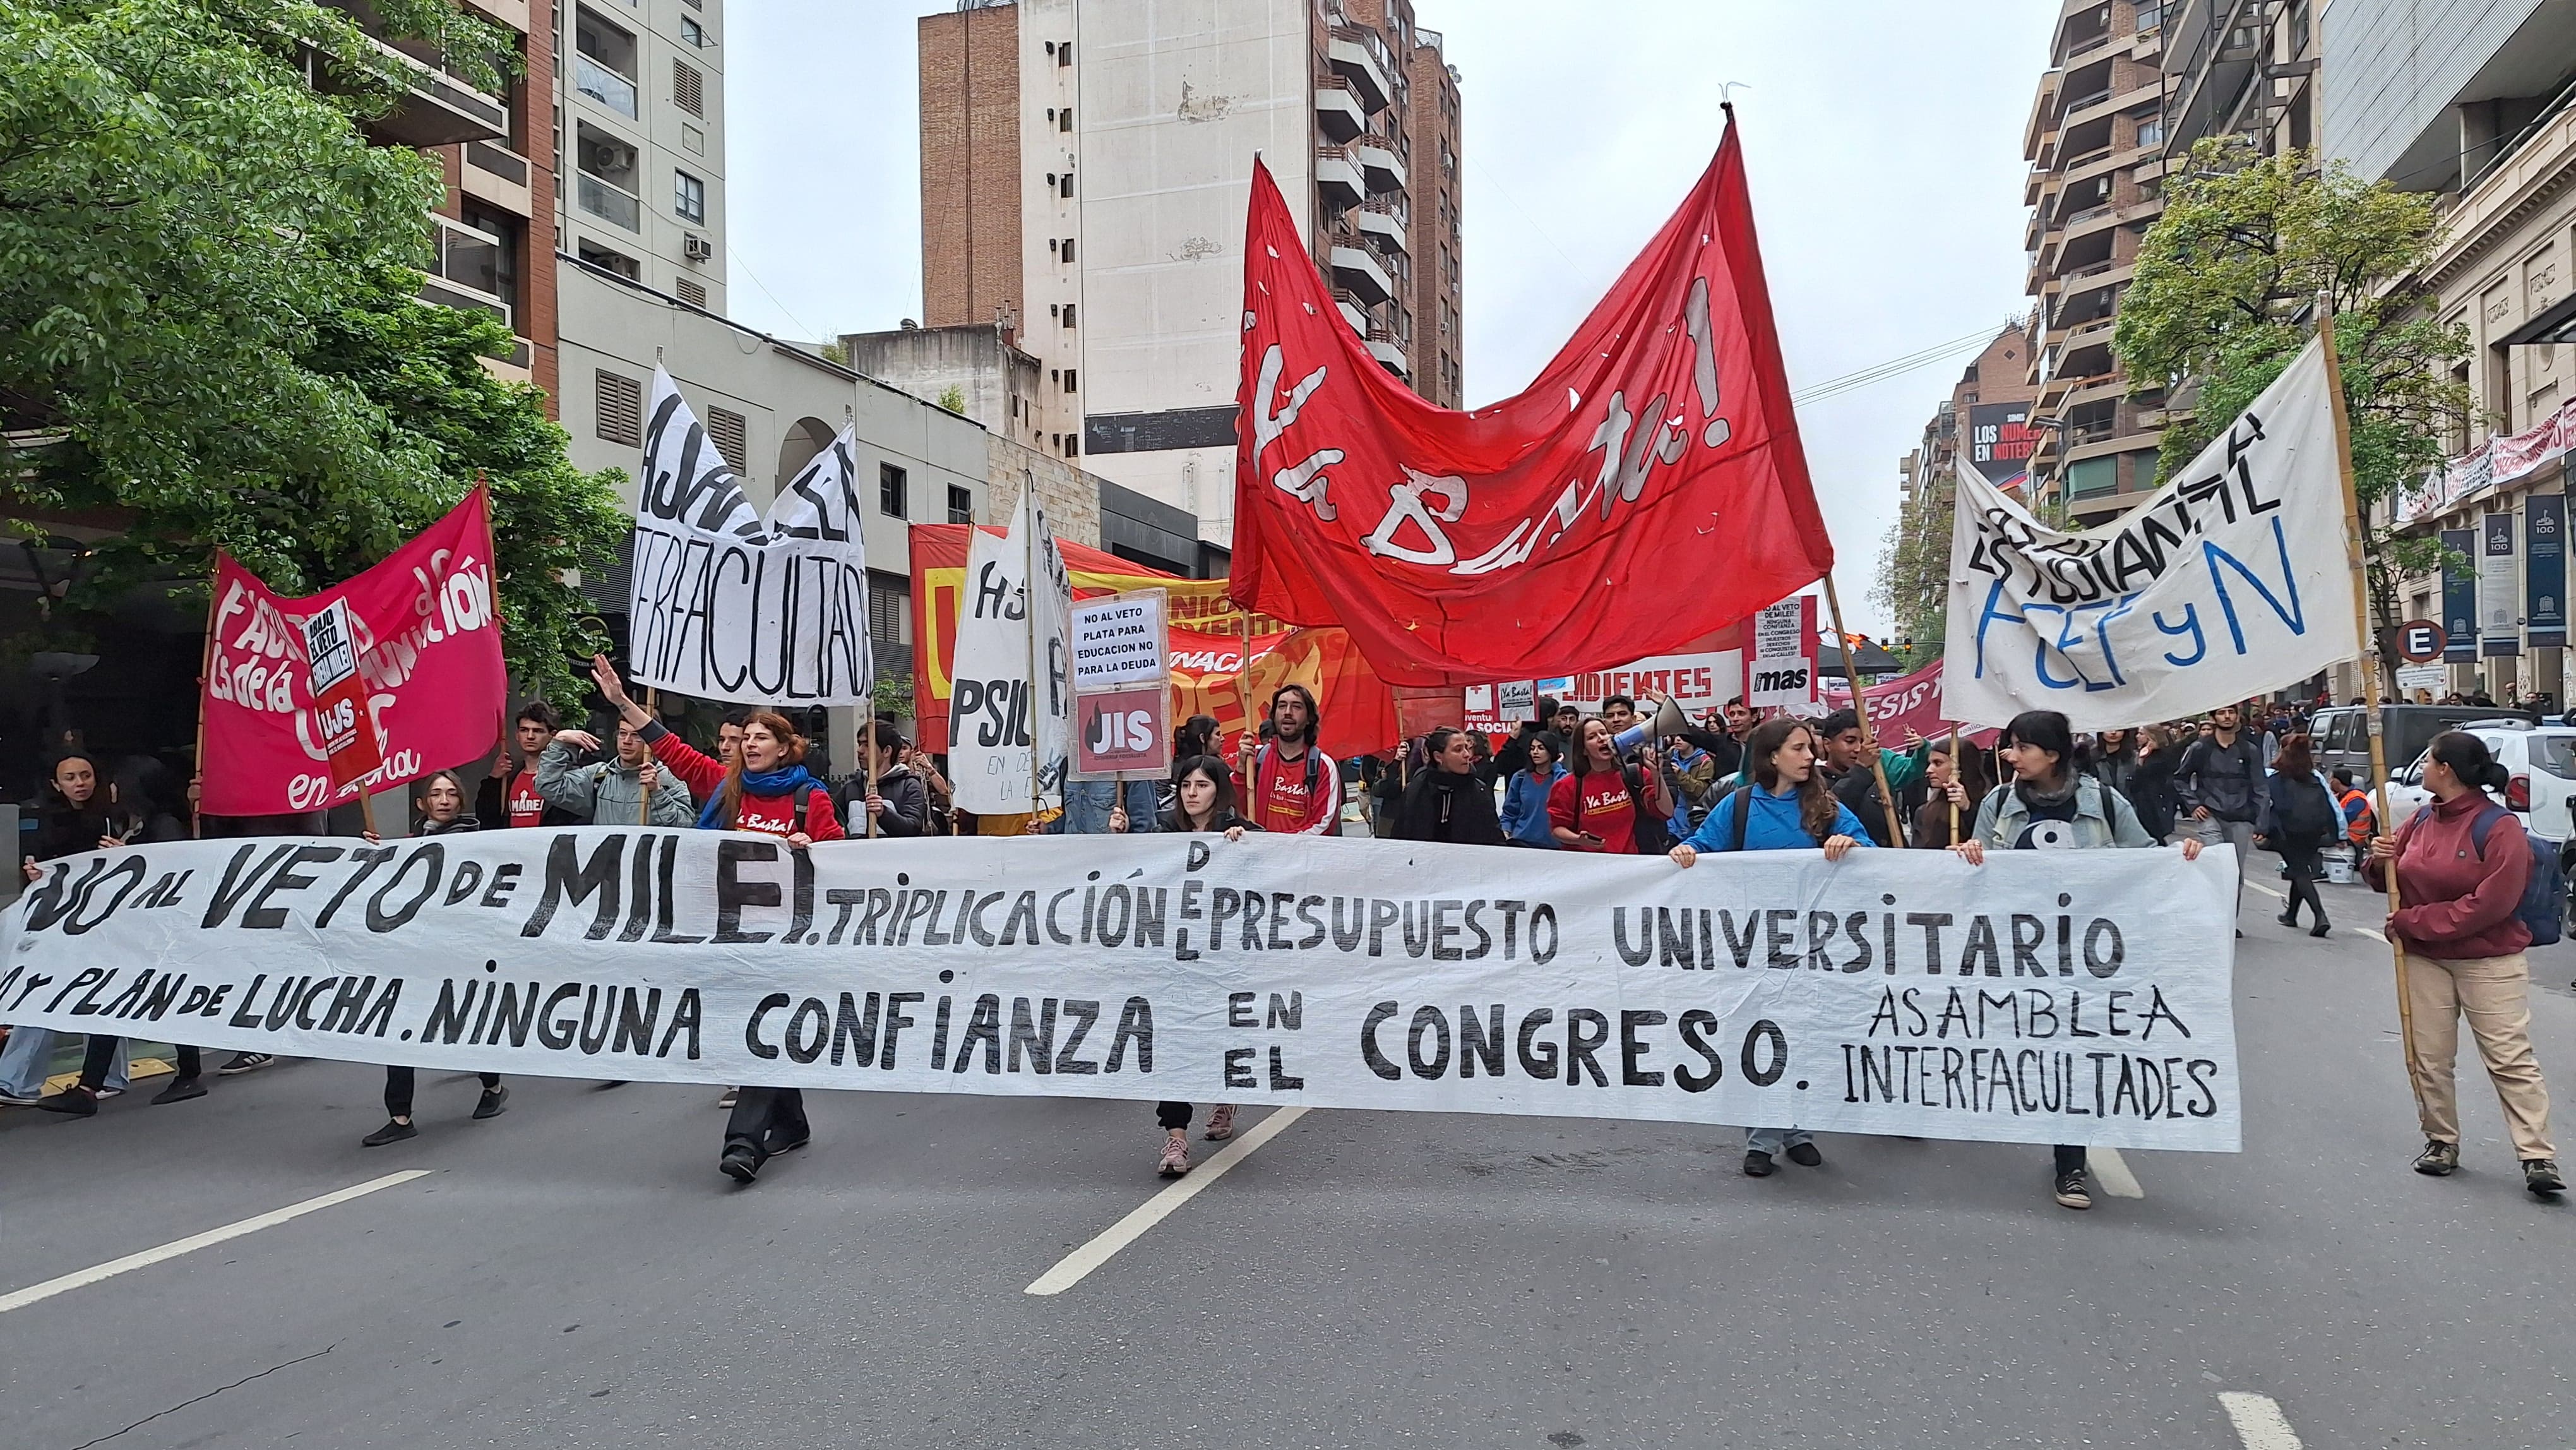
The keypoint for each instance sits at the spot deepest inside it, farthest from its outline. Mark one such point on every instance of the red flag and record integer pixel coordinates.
(425, 642)
(1647, 489)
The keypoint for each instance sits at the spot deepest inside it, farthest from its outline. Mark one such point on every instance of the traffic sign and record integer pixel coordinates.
(2419, 640)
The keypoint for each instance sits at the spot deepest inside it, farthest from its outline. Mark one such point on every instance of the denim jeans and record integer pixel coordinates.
(30, 1053)
(1087, 803)
(1775, 1141)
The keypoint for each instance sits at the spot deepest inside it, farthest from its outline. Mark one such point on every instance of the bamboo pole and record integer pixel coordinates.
(1860, 707)
(868, 754)
(1954, 777)
(205, 677)
(2372, 719)
(652, 707)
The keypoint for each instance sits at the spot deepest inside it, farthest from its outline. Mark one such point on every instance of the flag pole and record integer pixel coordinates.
(1954, 778)
(868, 754)
(1860, 707)
(205, 677)
(653, 707)
(1029, 613)
(2372, 720)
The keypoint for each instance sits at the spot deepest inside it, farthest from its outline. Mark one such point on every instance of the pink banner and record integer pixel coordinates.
(427, 639)
(1907, 703)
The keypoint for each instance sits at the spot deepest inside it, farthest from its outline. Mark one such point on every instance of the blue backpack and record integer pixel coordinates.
(2542, 890)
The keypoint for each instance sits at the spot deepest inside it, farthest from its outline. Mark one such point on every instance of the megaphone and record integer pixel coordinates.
(1669, 720)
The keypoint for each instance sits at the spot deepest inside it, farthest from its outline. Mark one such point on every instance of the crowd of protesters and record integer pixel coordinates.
(1621, 781)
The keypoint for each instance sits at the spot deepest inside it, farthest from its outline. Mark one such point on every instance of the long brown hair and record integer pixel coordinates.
(793, 754)
(2298, 755)
(1817, 808)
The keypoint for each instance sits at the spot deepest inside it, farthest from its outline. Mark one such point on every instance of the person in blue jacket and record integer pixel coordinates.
(1525, 820)
(1786, 807)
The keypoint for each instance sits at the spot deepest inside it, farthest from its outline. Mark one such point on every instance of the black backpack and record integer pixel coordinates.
(2309, 816)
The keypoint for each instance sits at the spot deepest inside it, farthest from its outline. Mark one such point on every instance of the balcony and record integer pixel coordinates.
(1352, 53)
(608, 203)
(1380, 167)
(1352, 312)
(1382, 346)
(1357, 272)
(1379, 223)
(467, 270)
(1338, 113)
(1337, 178)
(436, 109)
(603, 85)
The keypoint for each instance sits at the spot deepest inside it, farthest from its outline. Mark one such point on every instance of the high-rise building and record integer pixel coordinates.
(639, 137)
(1983, 424)
(1085, 172)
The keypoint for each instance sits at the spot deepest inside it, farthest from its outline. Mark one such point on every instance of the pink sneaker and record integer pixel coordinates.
(1220, 1122)
(1176, 1156)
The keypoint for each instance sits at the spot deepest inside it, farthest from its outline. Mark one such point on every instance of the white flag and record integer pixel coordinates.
(725, 605)
(1010, 707)
(2230, 582)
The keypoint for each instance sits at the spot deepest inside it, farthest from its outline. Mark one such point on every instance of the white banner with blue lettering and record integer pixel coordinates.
(2230, 582)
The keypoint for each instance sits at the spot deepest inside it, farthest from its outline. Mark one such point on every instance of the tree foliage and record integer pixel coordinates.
(1913, 583)
(208, 334)
(2225, 295)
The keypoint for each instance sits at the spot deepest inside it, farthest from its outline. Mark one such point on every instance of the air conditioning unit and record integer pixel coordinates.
(698, 248)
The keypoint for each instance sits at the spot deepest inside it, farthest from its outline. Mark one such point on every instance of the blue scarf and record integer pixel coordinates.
(785, 782)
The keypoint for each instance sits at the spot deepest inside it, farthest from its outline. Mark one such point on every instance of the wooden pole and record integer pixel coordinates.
(1029, 608)
(1243, 682)
(1860, 707)
(2372, 719)
(1954, 776)
(868, 753)
(205, 676)
(652, 707)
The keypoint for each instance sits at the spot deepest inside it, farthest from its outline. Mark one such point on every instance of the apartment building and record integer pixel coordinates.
(1984, 424)
(639, 137)
(1084, 182)
(2474, 103)
(2096, 144)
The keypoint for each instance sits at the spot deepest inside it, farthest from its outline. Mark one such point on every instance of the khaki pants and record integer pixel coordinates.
(2494, 994)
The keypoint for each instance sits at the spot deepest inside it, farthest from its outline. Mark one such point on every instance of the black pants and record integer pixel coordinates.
(2070, 1158)
(398, 1084)
(100, 1059)
(761, 1113)
(1172, 1115)
(2305, 864)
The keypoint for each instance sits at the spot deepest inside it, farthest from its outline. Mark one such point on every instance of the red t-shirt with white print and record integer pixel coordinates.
(527, 808)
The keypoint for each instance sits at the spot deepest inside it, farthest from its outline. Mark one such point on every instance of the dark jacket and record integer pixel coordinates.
(2284, 788)
(2151, 790)
(907, 800)
(2226, 780)
(2119, 771)
(1930, 829)
(1170, 820)
(62, 830)
(1443, 806)
(460, 824)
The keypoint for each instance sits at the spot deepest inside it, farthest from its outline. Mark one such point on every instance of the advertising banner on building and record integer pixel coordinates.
(2544, 595)
(2499, 588)
(2460, 596)
(2000, 443)
(2044, 997)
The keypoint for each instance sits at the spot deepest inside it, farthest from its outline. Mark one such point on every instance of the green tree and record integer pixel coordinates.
(2225, 295)
(207, 331)
(1913, 583)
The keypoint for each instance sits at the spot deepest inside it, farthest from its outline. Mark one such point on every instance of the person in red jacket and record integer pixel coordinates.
(2461, 867)
(765, 789)
(1288, 786)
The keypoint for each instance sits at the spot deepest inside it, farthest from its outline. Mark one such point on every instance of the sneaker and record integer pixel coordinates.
(2071, 1192)
(1805, 1155)
(739, 1163)
(80, 1102)
(2438, 1160)
(108, 1090)
(246, 1062)
(1176, 1156)
(20, 1100)
(494, 1102)
(391, 1132)
(779, 1143)
(179, 1091)
(1220, 1122)
(2540, 1175)
(1757, 1164)
(729, 1095)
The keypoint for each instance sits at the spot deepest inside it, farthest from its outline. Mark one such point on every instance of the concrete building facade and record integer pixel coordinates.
(1994, 389)
(639, 142)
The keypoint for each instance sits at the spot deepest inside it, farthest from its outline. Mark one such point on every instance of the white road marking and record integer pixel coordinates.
(1076, 1266)
(2268, 891)
(2372, 933)
(2113, 1172)
(2259, 1421)
(82, 1278)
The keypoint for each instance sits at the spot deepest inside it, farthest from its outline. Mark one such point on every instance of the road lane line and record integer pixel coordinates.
(1075, 1266)
(2113, 1171)
(2266, 890)
(2259, 1421)
(82, 1278)
(2372, 933)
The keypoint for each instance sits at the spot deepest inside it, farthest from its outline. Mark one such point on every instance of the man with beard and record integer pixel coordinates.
(1288, 787)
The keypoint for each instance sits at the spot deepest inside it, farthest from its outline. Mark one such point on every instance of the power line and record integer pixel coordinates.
(1893, 367)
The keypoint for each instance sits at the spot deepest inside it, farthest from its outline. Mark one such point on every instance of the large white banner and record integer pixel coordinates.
(1010, 703)
(728, 606)
(2230, 582)
(2045, 997)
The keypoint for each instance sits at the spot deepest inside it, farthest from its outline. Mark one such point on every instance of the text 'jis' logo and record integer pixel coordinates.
(1420, 506)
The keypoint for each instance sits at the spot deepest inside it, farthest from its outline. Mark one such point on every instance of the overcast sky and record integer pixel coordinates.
(1883, 142)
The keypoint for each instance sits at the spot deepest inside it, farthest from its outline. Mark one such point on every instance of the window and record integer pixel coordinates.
(1064, 53)
(692, 140)
(1068, 249)
(1064, 184)
(1064, 119)
(690, 198)
(693, 293)
(890, 491)
(888, 602)
(693, 33)
(689, 88)
(727, 428)
(2151, 129)
(609, 260)
(961, 505)
(1068, 380)
(618, 401)
(603, 63)
(1073, 445)
(1068, 317)
(605, 187)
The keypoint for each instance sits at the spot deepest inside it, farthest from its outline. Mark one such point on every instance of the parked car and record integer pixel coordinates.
(2541, 760)
(2407, 729)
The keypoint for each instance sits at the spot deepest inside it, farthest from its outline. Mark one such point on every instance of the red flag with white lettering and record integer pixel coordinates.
(1647, 489)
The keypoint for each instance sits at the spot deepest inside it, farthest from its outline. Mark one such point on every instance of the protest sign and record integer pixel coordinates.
(340, 717)
(2231, 582)
(1780, 674)
(2045, 997)
(1647, 487)
(1010, 728)
(1118, 641)
(726, 605)
(1906, 706)
(424, 637)
(1122, 732)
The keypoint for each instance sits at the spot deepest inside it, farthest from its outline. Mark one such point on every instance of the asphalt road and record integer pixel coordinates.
(575, 1273)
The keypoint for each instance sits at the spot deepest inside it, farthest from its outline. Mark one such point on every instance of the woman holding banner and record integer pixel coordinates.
(2051, 804)
(765, 788)
(1202, 802)
(1785, 808)
(442, 813)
